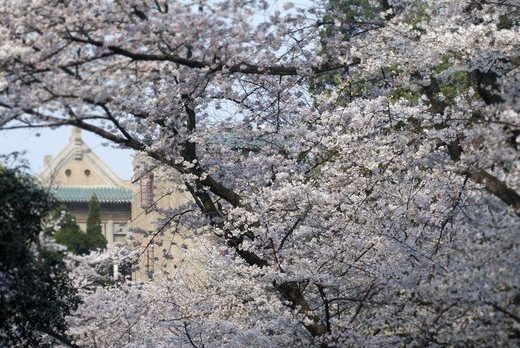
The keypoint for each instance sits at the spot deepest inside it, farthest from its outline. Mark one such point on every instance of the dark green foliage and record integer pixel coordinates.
(35, 293)
(70, 234)
(95, 237)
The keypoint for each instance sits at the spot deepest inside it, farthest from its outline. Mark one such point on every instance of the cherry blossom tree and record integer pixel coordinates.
(358, 169)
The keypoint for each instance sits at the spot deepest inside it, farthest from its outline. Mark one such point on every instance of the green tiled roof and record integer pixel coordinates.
(105, 194)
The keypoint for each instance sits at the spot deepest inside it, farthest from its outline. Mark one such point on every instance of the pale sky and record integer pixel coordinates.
(40, 142)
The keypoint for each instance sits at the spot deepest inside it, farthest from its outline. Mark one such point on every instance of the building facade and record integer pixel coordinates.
(133, 212)
(155, 229)
(76, 174)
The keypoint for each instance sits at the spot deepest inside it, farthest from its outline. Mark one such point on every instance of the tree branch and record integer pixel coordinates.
(497, 188)
(292, 292)
(244, 68)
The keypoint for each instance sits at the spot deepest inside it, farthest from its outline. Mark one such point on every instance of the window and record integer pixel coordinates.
(119, 237)
(149, 190)
(149, 261)
(118, 227)
(147, 194)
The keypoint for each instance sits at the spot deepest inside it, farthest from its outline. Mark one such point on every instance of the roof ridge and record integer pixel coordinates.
(106, 194)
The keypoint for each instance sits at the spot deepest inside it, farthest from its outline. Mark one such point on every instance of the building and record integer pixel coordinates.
(157, 205)
(131, 211)
(76, 174)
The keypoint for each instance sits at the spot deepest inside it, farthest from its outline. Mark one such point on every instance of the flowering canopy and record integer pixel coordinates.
(359, 158)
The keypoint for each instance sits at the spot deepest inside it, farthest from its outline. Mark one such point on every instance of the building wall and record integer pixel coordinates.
(163, 249)
(78, 173)
(115, 219)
